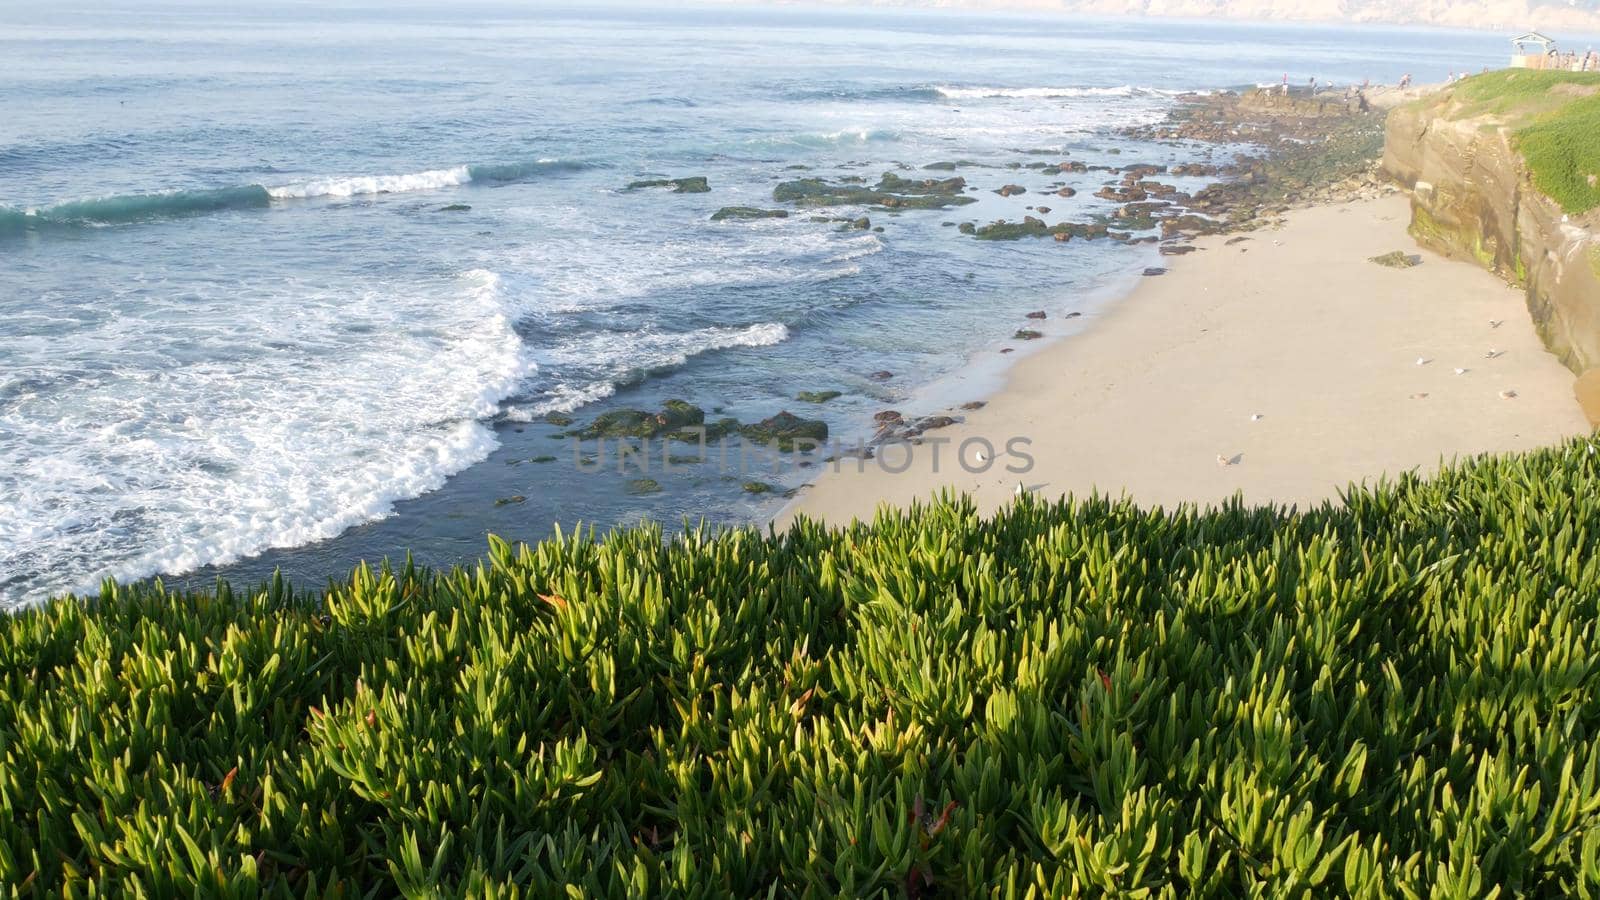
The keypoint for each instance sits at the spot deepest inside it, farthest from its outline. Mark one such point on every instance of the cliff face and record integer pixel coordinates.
(1472, 197)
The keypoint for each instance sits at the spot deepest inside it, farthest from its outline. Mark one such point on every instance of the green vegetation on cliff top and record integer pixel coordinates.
(1392, 697)
(1554, 119)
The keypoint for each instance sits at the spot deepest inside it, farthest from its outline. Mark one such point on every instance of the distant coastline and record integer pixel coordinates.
(1482, 15)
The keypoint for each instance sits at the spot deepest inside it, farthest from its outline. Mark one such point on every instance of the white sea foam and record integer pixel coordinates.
(607, 357)
(259, 416)
(432, 180)
(976, 93)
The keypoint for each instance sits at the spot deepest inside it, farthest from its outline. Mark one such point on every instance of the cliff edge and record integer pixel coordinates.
(1504, 169)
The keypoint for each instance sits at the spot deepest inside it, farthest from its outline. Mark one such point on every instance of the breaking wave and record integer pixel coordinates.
(127, 209)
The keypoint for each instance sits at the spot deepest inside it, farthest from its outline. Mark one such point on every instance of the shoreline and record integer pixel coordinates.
(1293, 324)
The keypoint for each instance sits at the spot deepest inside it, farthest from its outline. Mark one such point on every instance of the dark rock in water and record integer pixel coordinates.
(1031, 226)
(1124, 195)
(1200, 170)
(543, 459)
(881, 376)
(1038, 314)
(1044, 209)
(974, 405)
(1399, 259)
(1027, 334)
(891, 192)
(1188, 226)
(619, 423)
(1011, 190)
(784, 430)
(968, 228)
(508, 501)
(861, 224)
(696, 184)
(748, 212)
(1178, 249)
(1072, 315)
(560, 420)
(1007, 350)
(1067, 192)
(641, 486)
(817, 396)
(455, 207)
(758, 487)
(940, 167)
(1154, 271)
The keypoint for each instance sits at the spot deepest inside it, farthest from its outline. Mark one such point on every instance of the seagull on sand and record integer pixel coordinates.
(980, 456)
(1496, 323)
(1508, 395)
(1494, 354)
(1257, 417)
(1423, 360)
(1225, 461)
(1462, 371)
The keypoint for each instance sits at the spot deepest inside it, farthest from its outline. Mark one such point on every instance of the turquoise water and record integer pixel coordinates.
(242, 327)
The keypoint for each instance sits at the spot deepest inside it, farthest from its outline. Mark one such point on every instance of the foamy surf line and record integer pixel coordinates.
(127, 209)
(1032, 93)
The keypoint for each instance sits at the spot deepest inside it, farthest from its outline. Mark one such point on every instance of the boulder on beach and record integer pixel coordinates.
(1398, 259)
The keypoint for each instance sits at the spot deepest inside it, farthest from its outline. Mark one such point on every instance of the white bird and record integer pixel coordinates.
(1225, 461)
(1257, 417)
(980, 456)
(1508, 395)
(1423, 360)
(1494, 354)
(1461, 371)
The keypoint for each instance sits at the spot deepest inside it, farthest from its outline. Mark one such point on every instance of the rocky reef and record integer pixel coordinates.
(1475, 196)
(695, 184)
(891, 192)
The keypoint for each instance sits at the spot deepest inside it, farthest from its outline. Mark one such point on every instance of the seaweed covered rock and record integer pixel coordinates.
(817, 396)
(784, 430)
(748, 212)
(695, 184)
(636, 423)
(891, 192)
(1032, 226)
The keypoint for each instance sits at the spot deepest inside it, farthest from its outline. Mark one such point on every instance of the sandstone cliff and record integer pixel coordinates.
(1474, 196)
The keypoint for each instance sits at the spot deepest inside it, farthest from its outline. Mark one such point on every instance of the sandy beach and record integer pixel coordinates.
(1281, 367)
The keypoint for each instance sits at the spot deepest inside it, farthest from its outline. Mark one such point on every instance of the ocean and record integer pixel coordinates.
(292, 286)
